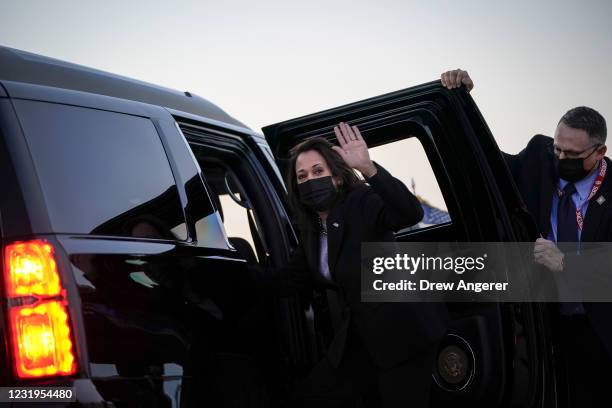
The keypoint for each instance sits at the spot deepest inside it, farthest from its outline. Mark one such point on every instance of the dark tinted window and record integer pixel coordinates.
(102, 173)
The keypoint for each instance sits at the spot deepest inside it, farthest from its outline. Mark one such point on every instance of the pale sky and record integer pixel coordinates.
(268, 61)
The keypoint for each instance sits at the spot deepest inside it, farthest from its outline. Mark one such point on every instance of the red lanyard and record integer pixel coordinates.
(596, 185)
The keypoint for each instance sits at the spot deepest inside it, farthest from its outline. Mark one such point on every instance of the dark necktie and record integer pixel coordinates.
(567, 229)
(567, 238)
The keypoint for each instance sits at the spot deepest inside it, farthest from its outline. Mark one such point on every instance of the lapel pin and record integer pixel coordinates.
(335, 224)
(600, 200)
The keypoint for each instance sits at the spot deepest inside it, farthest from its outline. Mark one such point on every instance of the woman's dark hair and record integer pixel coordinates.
(338, 168)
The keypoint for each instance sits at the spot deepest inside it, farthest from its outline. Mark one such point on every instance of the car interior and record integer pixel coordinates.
(269, 325)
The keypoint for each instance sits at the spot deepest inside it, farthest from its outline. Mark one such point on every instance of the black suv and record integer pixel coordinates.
(130, 212)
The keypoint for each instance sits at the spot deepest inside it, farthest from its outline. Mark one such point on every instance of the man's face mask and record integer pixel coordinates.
(317, 193)
(573, 169)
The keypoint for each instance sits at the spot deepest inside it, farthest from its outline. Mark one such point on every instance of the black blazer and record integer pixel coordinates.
(534, 174)
(391, 332)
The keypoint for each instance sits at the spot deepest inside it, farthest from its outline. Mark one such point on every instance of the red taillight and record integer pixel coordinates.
(31, 269)
(42, 334)
(40, 331)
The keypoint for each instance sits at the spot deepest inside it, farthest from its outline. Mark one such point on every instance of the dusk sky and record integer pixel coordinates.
(268, 61)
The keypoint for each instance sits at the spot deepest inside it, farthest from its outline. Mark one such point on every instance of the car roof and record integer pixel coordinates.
(22, 66)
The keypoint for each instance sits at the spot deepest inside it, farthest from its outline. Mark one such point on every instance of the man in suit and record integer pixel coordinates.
(565, 185)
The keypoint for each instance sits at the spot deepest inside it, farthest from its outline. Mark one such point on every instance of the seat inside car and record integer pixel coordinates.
(241, 245)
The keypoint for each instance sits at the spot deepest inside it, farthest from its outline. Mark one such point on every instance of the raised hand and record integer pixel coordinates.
(353, 149)
(456, 78)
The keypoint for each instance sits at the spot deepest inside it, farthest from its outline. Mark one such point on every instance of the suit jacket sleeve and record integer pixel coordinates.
(388, 204)
(513, 162)
(287, 280)
(529, 157)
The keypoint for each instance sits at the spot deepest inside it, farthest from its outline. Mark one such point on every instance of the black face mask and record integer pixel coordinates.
(317, 194)
(572, 170)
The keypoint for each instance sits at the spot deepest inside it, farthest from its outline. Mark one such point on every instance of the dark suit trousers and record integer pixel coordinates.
(586, 362)
(357, 382)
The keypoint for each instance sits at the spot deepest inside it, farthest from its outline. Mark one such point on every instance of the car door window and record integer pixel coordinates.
(406, 160)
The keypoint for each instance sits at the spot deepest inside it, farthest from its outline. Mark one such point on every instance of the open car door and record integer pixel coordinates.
(437, 142)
